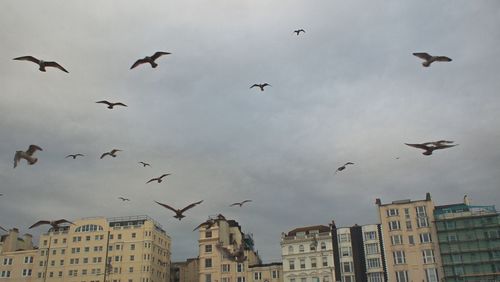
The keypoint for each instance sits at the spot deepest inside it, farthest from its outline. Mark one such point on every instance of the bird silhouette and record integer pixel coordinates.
(111, 105)
(159, 179)
(123, 199)
(261, 86)
(145, 164)
(28, 155)
(428, 59)
(179, 212)
(298, 31)
(42, 64)
(111, 153)
(151, 60)
(74, 156)
(240, 203)
(343, 167)
(429, 147)
(210, 222)
(55, 223)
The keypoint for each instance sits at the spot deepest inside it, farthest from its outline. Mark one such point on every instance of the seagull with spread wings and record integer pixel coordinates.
(151, 60)
(111, 153)
(74, 156)
(54, 223)
(179, 212)
(261, 86)
(145, 164)
(27, 155)
(298, 31)
(428, 59)
(343, 167)
(123, 199)
(429, 147)
(159, 179)
(42, 64)
(240, 203)
(111, 105)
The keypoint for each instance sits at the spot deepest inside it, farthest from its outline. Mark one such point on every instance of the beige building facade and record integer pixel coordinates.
(17, 257)
(269, 272)
(410, 240)
(125, 249)
(185, 271)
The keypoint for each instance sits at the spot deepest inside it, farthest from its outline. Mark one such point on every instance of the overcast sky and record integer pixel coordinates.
(349, 89)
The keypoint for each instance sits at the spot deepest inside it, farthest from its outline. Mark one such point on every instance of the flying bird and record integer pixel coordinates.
(343, 167)
(28, 155)
(210, 222)
(431, 146)
(428, 59)
(159, 179)
(179, 212)
(111, 153)
(145, 164)
(151, 60)
(298, 31)
(240, 203)
(42, 64)
(74, 156)
(111, 105)
(55, 224)
(123, 199)
(261, 86)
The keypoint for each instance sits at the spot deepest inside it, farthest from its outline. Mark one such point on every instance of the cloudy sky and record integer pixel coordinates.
(348, 89)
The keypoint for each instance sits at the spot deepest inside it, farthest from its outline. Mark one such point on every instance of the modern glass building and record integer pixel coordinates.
(469, 242)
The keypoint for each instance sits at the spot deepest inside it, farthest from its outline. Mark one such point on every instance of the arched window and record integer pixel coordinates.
(88, 228)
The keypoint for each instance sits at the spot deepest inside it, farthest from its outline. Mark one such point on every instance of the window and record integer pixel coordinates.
(226, 279)
(290, 249)
(275, 274)
(375, 277)
(88, 228)
(313, 263)
(347, 266)
(372, 249)
(257, 276)
(425, 238)
(408, 225)
(372, 235)
(344, 237)
(208, 248)
(5, 273)
(28, 259)
(226, 268)
(208, 278)
(130, 269)
(64, 240)
(208, 263)
(132, 258)
(411, 241)
(373, 263)
(291, 264)
(26, 272)
(240, 267)
(431, 274)
(421, 211)
(325, 261)
(407, 213)
(396, 239)
(346, 251)
(422, 222)
(119, 236)
(399, 257)
(208, 234)
(452, 237)
(240, 279)
(7, 261)
(301, 248)
(392, 212)
(401, 276)
(323, 245)
(133, 235)
(302, 263)
(394, 225)
(428, 256)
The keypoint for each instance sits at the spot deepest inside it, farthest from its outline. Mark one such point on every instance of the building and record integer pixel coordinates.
(410, 240)
(358, 253)
(469, 240)
(307, 254)
(185, 271)
(269, 272)
(225, 252)
(17, 256)
(124, 249)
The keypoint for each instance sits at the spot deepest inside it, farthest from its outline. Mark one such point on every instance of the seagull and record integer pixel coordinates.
(145, 164)
(112, 153)
(28, 155)
(123, 199)
(111, 105)
(150, 60)
(179, 212)
(74, 156)
(240, 203)
(430, 59)
(55, 224)
(261, 86)
(159, 179)
(299, 30)
(210, 222)
(343, 167)
(431, 146)
(42, 64)
(3, 229)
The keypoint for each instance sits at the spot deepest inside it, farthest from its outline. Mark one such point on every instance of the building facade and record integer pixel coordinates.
(410, 240)
(225, 252)
(374, 256)
(17, 257)
(469, 240)
(307, 254)
(125, 249)
(185, 271)
(269, 272)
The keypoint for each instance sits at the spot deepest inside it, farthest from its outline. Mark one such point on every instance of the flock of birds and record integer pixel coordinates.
(28, 155)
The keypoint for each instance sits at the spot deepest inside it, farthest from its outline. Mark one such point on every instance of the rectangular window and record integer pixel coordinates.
(26, 272)
(240, 279)
(347, 266)
(392, 212)
(302, 263)
(226, 279)
(208, 248)
(422, 222)
(407, 213)
(431, 274)
(240, 267)
(396, 240)
(276, 274)
(375, 277)
(226, 268)
(411, 241)
(346, 251)
(401, 276)
(372, 235)
(208, 234)
(208, 263)
(421, 211)
(344, 237)
(291, 264)
(372, 249)
(373, 263)
(313, 263)
(425, 238)
(408, 225)
(399, 257)
(325, 261)
(394, 225)
(257, 276)
(428, 256)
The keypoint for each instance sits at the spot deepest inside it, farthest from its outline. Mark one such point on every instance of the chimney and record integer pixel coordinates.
(428, 196)
(466, 200)
(28, 241)
(378, 202)
(10, 243)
